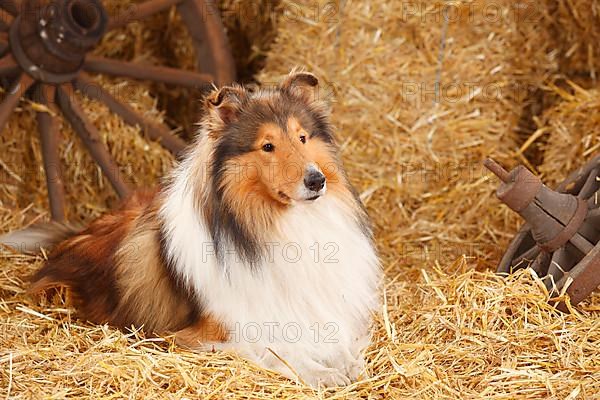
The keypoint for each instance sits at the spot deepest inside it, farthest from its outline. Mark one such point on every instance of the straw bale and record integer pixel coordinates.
(569, 132)
(576, 24)
(251, 28)
(418, 161)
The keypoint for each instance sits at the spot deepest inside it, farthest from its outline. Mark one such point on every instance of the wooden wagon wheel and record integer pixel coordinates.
(44, 53)
(561, 238)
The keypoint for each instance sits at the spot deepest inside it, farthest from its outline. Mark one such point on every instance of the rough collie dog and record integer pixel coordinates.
(256, 243)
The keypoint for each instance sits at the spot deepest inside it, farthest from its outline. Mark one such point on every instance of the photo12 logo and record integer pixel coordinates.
(289, 332)
(289, 252)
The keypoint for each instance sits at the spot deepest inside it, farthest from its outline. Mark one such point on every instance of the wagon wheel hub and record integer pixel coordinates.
(51, 43)
(561, 239)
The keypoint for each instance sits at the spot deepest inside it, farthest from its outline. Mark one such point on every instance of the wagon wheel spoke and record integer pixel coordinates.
(3, 42)
(146, 72)
(8, 65)
(48, 126)
(594, 215)
(527, 257)
(90, 137)
(591, 185)
(140, 11)
(18, 88)
(581, 243)
(213, 52)
(155, 131)
(556, 269)
(541, 263)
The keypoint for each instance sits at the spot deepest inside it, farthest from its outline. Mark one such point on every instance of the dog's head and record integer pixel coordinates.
(275, 143)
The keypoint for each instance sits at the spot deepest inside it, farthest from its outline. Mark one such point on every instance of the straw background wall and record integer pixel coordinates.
(448, 327)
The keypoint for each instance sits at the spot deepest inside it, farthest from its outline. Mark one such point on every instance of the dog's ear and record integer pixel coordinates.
(224, 104)
(301, 84)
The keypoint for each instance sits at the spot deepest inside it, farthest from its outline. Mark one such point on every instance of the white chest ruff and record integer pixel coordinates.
(311, 297)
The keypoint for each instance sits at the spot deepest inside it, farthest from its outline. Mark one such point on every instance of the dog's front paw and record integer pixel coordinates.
(325, 377)
(353, 369)
(329, 374)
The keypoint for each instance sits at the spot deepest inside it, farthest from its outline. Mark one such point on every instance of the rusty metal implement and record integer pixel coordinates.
(560, 240)
(44, 50)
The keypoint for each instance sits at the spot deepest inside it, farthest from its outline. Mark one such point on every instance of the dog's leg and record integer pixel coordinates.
(203, 335)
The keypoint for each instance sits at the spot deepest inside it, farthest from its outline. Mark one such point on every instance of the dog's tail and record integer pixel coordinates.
(43, 235)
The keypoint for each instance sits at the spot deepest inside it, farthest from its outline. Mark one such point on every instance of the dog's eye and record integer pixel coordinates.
(303, 139)
(268, 147)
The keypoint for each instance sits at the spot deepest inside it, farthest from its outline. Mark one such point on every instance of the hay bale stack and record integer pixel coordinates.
(417, 158)
(569, 132)
(251, 28)
(576, 25)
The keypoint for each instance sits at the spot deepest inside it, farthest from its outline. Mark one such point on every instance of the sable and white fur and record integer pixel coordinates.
(281, 270)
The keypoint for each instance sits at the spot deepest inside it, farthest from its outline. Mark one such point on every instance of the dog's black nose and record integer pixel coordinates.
(314, 180)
